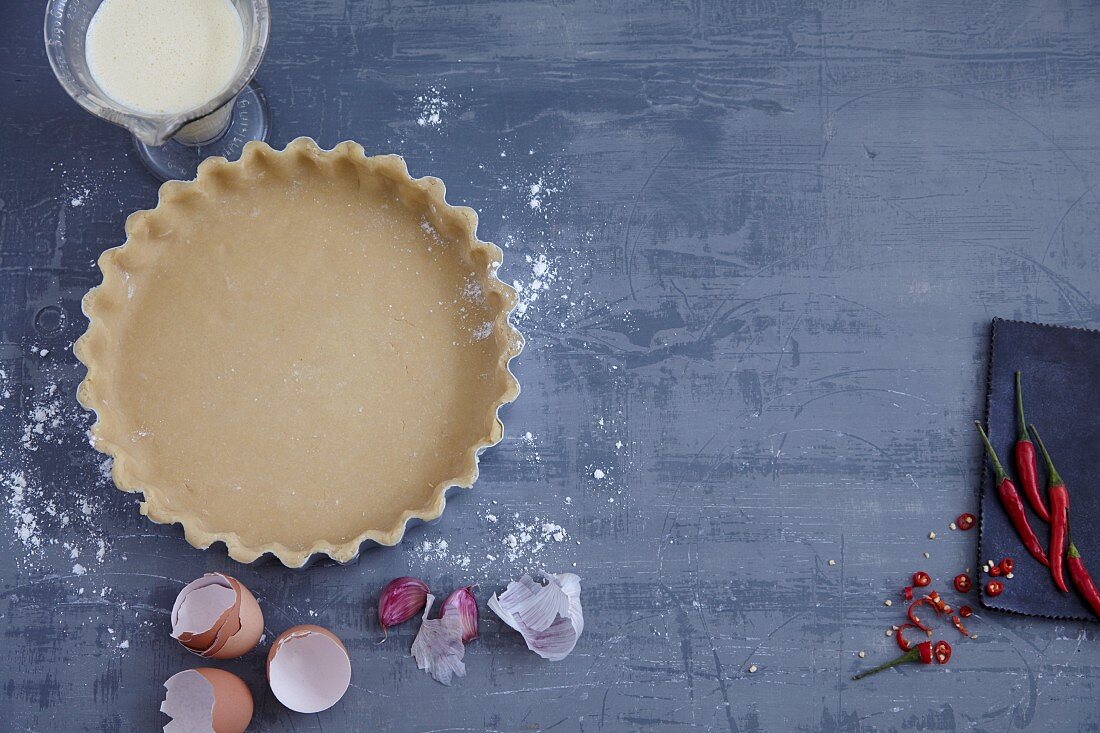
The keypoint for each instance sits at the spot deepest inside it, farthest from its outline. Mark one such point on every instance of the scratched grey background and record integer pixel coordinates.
(781, 229)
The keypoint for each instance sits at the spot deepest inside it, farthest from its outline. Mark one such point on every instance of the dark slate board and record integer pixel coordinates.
(1060, 375)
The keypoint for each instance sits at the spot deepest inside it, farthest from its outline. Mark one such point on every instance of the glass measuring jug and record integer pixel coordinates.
(171, 144)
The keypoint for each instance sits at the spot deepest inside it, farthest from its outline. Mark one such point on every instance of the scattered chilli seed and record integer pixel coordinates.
(931, 535)
(953, 526)
(862, 654)
(926, 556)
(832, 562)
(888, 602)
(752, 668)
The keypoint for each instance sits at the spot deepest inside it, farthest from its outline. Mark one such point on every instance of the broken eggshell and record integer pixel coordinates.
(308, 668)
(206, 701)
(215, 616)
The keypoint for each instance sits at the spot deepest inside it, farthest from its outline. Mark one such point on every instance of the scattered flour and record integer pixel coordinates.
(432, 105)
(77, 195)
(482, 332)
(52, 522)
(539, 193)
(543, 275)
(522, 545)
(524, 541)
(529, 449)
(440, 552)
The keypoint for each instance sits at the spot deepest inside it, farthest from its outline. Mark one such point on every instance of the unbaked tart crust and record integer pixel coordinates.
(298, 352)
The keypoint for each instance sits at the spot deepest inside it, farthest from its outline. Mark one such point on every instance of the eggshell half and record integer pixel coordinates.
(249, 628)
(228, 629)
(206, 701)
(201, 609)
(308, 669)
(204, 623)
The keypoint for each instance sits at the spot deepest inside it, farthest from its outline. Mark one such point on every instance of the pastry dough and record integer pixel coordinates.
(298, 351)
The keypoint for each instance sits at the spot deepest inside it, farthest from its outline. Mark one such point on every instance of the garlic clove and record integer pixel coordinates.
(461, 602)
(549, 617)
(401, 599)
(438, 647)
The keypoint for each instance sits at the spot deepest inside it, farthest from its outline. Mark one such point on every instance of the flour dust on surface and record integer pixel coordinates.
(57, 527)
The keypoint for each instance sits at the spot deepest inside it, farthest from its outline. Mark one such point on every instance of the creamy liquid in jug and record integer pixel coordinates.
(164, 56)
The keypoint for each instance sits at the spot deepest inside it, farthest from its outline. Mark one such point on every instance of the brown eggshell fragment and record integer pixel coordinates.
(234, 631)
(206, 602)
(206, 700)
(225, 633)
(308, 668)
(249, 628)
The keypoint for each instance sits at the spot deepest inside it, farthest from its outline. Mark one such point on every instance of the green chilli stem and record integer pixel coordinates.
(998, 469)
(1022, 430)
(1053, 478)
(910, 656)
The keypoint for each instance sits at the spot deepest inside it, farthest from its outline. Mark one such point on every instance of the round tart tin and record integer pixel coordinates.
(299, 354)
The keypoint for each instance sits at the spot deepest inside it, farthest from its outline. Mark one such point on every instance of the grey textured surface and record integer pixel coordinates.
(775, 235)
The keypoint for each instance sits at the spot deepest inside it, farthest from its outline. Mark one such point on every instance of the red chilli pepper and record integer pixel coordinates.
(966, 521)
(921, 579)
(908, 592)
(1059, 518)
(994, 588)
(912, 614)
(939, 603)
(963, 584)
(1025, 459)
(1081, 578)
(966, 611)
(959, 625)
(1007, 565)
(995, 571)
(1013, 505)
(922, 653)
(942, 652)
(903, 643)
